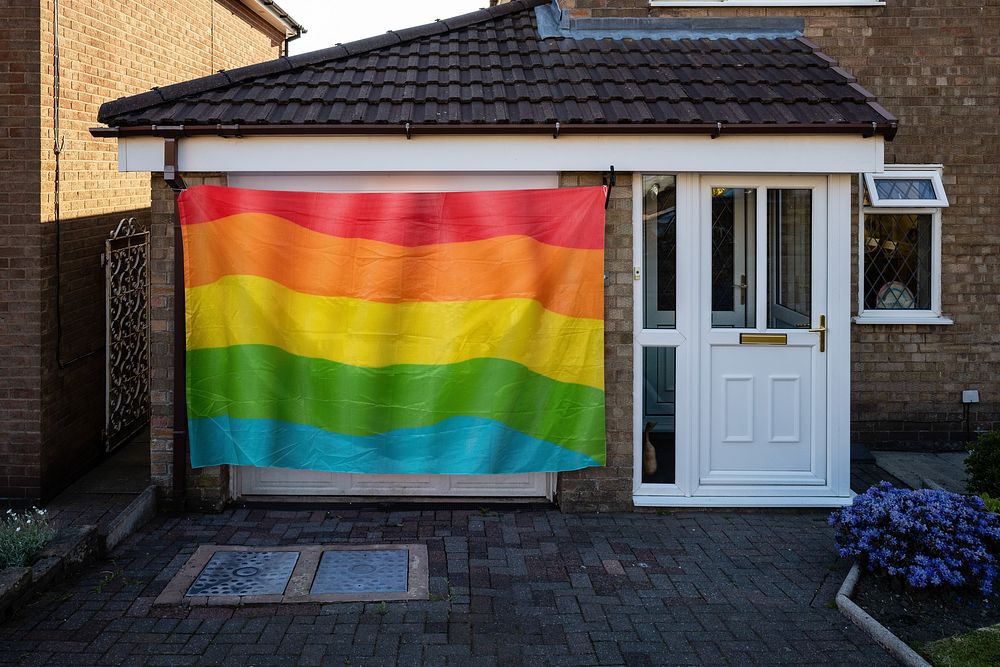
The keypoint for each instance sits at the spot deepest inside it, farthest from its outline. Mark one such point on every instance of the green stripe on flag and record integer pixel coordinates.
(264, 382)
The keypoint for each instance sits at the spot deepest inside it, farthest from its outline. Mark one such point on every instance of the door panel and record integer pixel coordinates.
(763, 406)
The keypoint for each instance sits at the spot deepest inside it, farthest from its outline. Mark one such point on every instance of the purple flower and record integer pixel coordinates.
(928, 538)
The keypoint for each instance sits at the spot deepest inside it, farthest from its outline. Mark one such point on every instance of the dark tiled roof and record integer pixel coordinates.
(491, 68)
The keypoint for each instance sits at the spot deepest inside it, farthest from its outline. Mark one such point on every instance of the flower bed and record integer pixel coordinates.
(931, 560)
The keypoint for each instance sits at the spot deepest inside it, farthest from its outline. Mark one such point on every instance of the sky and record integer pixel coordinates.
(332, 21)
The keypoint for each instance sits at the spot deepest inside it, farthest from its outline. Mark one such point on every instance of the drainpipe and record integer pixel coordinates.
(287, 20)
(180, 430)
(284, 45)
(57, 148)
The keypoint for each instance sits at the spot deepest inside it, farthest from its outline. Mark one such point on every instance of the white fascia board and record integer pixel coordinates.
(761, 154)
(270, 17)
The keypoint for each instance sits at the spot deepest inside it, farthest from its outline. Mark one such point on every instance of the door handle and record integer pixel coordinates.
(821, 330)
(743, 289)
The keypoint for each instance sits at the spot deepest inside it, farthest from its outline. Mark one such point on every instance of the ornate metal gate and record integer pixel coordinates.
(126, 275)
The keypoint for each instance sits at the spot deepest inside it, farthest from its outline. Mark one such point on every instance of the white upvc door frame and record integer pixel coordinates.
(686, 338)
(683, 337)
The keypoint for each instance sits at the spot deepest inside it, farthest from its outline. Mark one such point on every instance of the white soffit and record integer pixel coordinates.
(806, 154)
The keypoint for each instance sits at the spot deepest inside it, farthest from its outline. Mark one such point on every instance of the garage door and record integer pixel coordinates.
(249, 481)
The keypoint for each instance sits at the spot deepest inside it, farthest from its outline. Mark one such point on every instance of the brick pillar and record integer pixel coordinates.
(207, 488)
(610, 488)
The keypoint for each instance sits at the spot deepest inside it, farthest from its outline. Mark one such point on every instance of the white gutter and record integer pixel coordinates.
(275, 16)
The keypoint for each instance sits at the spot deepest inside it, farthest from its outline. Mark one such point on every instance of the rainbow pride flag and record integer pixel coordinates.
(451, 333)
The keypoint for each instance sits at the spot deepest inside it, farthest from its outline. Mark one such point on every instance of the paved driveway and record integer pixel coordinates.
(517, 587)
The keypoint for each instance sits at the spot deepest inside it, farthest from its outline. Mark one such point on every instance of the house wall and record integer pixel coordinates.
(206, 487)
(609, 488)
(52, 413)
(936, 66)
(20, 251)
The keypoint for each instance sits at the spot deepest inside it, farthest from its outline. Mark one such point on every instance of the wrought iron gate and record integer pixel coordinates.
(126, 276)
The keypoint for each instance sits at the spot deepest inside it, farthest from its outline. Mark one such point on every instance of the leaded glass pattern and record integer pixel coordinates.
(733, 256)
(723, 250)
(897, 250)
(905, 189)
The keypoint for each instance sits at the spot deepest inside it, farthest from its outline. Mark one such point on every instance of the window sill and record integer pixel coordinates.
(909, 319)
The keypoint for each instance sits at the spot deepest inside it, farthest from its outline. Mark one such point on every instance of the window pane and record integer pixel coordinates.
(659, 240)
(659, 454)
(905, 188)
(734, 213)
(897, 261)
(789, 259)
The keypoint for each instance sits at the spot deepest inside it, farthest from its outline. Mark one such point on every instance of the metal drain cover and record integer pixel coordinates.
(362, 571)
(245, 573)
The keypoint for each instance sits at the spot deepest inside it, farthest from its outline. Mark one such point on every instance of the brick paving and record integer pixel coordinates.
(508, 587)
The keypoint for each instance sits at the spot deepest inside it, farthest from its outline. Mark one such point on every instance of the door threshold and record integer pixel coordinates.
(742, 501)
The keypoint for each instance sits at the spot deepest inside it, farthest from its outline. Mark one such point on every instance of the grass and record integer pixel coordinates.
(979, 648)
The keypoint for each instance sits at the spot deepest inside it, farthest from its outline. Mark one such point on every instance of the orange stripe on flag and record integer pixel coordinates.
(559, 278)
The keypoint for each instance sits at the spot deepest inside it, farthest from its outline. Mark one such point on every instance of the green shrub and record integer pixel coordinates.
(983, 465)
(992, 504)
(22, 536)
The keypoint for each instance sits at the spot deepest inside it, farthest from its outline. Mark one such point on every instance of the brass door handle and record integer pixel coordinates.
(821, 330)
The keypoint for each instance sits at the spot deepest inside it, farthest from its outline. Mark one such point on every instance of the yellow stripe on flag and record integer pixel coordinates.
(249, 310)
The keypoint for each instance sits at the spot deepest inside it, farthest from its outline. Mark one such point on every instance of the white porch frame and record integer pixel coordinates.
(687, 491)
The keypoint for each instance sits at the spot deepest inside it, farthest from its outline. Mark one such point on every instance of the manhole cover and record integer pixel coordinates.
(362, 571)
(245, 573)
(237, 575)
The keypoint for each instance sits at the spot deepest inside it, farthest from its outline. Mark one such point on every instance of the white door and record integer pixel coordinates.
(761, 313)
(250, 481)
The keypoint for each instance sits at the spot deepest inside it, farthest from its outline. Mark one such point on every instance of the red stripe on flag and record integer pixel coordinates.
(561, 217)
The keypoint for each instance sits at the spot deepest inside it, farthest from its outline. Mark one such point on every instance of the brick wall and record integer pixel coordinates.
(51, 417)
(610, 488)
(936, 66)
(20, 251)
(206, 487)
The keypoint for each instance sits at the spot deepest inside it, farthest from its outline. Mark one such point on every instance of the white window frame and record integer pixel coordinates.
(767, 3)
(900, 174)
(908, 207)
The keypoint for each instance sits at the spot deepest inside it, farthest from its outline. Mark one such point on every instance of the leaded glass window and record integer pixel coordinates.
(897, 261)
(900, 246)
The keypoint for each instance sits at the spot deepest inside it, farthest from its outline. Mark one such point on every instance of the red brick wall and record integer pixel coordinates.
(51, 417)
